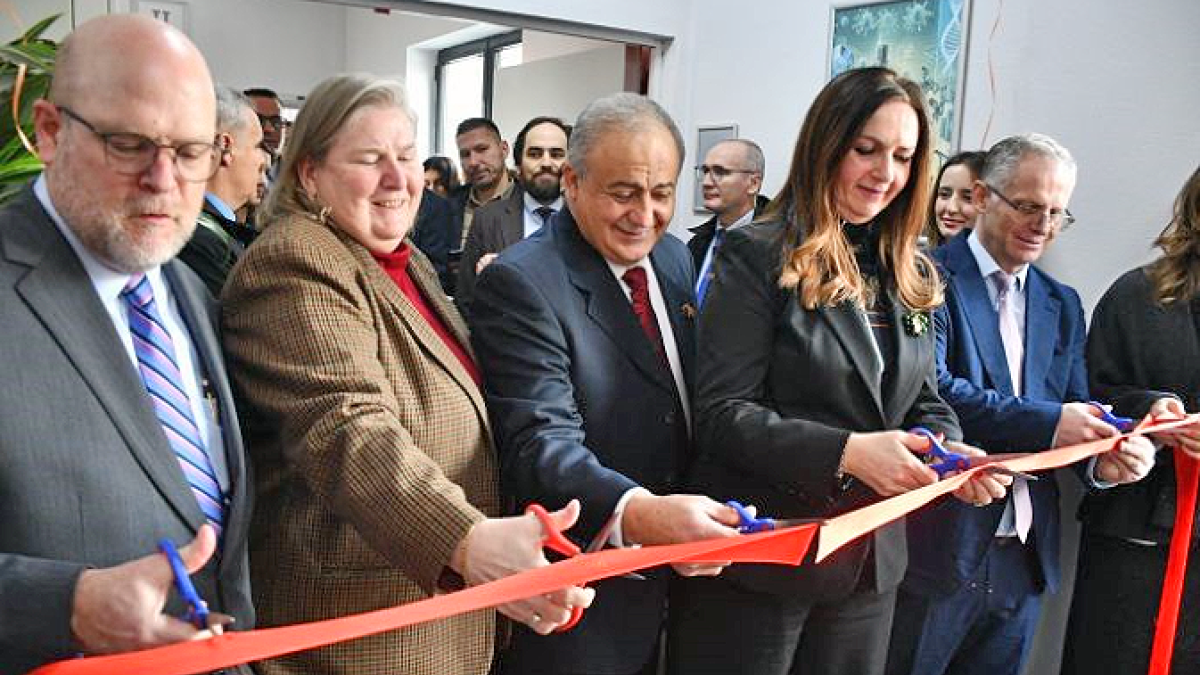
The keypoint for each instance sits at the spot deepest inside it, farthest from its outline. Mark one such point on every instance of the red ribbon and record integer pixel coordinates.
(1187, 471)
(786, 546)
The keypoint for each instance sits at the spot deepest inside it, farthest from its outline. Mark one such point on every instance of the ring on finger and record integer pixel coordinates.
(537, 618)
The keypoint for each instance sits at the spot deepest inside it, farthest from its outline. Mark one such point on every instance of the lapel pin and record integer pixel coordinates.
(689, 311)
(916, 324)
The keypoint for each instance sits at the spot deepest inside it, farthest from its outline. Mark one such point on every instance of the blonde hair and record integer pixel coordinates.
(325, 112)
(1176, 275)
(818, 261)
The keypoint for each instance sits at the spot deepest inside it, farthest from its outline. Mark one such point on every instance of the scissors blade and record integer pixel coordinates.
(599, 541)
(991, 463)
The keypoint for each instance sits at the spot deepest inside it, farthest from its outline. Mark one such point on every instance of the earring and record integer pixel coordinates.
(323, 214)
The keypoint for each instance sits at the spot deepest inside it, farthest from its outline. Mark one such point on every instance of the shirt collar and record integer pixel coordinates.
(508, 188)
(532, 205)
(987, 264)
(108, 282)
(220, 205)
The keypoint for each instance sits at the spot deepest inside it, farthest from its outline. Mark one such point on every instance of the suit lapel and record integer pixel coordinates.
(606, 303)
(902, 381)
(79, 324)
(968, 283)
(850, 327)
(512, 229)
(1041, 329)
(426, 281)
(678, 297)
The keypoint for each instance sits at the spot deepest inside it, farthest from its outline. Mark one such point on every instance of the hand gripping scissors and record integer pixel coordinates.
(555, 541)
(944, 461)
(1123, 424)
(198, 613)
(748, 524)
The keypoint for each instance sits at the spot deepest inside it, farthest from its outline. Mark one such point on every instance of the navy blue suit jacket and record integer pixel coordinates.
(947, 541)
(582, 407)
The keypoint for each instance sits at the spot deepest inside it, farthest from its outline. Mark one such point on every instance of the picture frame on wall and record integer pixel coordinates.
(708, 135)
(174, 13)
(923, 40)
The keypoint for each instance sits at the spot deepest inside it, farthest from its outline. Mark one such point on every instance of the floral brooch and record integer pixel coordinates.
(916, 324)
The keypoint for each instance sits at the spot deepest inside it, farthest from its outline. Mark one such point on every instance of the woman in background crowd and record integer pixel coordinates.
(440, 176)
(816, 349)
(375, 472)
(953, 211)
(1144, 344)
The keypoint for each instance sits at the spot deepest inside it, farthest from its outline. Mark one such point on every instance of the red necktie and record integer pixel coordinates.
(639, 295)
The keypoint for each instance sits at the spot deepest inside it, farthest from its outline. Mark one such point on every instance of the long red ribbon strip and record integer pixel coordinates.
(786, 546)
(1187, 472)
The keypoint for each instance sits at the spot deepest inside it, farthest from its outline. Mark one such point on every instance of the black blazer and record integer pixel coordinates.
(1138, 352)
(87, 477)
(496, 226)
(432, 234)
(582, 407)
(780, 389)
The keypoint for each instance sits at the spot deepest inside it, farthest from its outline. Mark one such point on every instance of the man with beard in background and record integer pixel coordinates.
(541, 150)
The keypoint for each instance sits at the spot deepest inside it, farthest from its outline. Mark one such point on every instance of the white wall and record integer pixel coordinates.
(19, 17)
(553, 86)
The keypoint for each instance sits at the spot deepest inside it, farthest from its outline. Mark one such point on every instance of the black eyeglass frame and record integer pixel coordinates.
(1063, 219)
(135, 157)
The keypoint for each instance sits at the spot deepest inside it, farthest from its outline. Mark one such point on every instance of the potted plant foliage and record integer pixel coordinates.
(26, 65)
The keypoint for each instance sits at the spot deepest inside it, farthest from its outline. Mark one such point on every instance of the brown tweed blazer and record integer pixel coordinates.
(371, 448)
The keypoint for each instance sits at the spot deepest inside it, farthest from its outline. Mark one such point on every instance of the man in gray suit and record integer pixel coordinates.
(93, 439)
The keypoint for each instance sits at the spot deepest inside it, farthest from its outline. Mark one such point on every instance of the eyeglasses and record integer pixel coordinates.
(131, 154)
(1058, 217)
(275, 121)
(718, 172)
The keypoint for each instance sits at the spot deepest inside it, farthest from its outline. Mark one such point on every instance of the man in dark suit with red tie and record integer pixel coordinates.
(585, 333)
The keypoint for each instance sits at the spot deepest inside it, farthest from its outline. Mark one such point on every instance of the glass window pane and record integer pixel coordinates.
(461, 97)
(509, 56)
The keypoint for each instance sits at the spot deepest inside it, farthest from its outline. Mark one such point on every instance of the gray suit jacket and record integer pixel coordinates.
(496, 226)
(87, 478)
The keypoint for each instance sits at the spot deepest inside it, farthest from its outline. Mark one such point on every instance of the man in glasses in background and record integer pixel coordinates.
(730, 179)
(270, 115)
(117, 426)
(220, 238)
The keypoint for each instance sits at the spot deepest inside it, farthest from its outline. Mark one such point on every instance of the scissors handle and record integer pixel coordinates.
(944, 461)
(1122, 424)
(197, 608)
(555, 541)
(748, 524)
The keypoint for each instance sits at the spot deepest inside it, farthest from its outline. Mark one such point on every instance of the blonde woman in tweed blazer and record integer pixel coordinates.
(375, 473)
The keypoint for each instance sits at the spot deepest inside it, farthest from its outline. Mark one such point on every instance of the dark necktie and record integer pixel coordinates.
(155, 352)
(706, 274)
(639, 295)
(544, 212)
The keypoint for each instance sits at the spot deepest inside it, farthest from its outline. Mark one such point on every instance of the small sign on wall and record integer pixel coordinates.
(174, 13)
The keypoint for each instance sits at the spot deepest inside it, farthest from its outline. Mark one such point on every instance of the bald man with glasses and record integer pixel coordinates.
(117, 426)
(730, 179)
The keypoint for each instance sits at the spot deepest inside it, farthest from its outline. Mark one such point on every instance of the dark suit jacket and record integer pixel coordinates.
(215, 247)
(702, 234)
(779, 391)
(87, 477)
(1140, 351)
(496, 226)
(582, 408)
(973, 377)
(432, 233)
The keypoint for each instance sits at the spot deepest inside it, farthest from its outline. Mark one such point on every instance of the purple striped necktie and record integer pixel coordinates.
(159, 369)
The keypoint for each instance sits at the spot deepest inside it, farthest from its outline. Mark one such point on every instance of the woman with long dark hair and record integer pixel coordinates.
(816, 352)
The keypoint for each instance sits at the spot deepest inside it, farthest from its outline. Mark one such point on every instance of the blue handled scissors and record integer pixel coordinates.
(944, 461)
(198, 613)
(1123, 424)
(748, 524)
